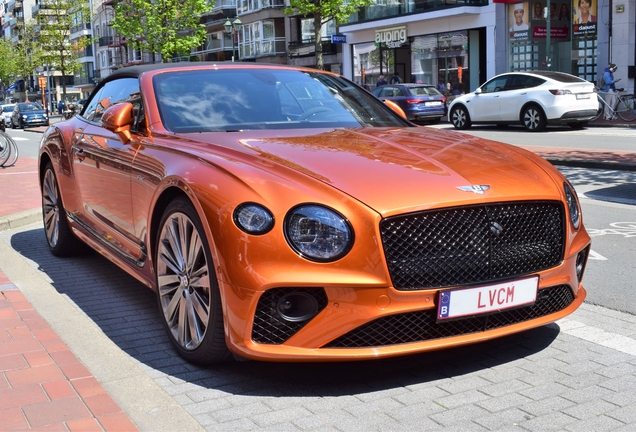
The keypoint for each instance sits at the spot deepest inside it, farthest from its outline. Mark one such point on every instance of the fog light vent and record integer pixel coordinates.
(282, 312)
(581, 261)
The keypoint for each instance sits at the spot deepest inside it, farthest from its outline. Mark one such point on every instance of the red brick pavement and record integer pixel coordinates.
(19, 189)
(43, 385)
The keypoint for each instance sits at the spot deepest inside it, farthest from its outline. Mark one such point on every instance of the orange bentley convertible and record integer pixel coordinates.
(287, 214)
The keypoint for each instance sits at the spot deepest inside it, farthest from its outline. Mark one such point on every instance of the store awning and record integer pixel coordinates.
(14, 86)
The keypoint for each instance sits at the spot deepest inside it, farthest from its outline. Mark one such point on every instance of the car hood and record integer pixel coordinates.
(30, 113)
(405, 169)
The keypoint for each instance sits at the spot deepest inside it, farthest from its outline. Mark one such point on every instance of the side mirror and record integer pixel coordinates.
(478, 91)
(395, 107)
(118, 119)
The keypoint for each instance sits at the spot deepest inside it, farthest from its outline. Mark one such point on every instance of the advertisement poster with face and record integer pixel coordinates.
(518, 20)
(584, 17)
(560, 16)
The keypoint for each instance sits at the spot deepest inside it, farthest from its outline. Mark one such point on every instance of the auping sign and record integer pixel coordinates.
(338, 38)
(393, 37)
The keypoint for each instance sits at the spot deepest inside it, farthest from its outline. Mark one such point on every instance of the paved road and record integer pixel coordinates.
(575, 375)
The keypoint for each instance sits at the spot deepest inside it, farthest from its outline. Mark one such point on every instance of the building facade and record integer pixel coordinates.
(459, 44)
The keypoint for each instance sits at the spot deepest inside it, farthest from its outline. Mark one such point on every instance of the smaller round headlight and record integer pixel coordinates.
(318, 233)
(573, 205)
(253, 218)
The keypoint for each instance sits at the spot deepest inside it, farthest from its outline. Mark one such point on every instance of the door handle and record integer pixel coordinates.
(80, 155)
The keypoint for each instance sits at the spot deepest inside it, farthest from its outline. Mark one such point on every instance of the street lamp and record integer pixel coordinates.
(233, 28)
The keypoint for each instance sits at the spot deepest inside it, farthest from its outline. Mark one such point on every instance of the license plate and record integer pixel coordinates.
(488, 298)
(436, 103)
(583, 96)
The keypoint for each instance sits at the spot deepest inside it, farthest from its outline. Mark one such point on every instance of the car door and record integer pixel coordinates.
(516, 94)
(486, 105)
(102, 169)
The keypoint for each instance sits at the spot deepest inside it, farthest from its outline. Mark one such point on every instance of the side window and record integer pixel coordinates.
(398, 92)
(386, 92)
(120, 90)
(495, 85)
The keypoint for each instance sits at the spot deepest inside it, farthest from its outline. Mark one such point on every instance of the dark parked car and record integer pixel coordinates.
(420, 102)
(27, 114)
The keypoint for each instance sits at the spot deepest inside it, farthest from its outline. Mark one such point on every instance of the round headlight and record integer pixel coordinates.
(253, 218)
(573, 205)
(318, 233)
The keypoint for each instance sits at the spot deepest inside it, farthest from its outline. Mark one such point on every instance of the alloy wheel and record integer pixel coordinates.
(51, 208)
(183, 277)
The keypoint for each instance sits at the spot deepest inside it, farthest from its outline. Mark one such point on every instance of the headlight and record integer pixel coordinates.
(24, 116)
(253, 218)
(318, 233)
(44, 115)
(573, 205)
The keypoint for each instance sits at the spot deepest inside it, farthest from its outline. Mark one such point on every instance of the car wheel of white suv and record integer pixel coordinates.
(533, 119)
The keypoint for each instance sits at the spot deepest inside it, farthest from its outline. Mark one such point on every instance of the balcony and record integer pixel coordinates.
(308, 48)
(105, 41)
(86, 52)
(263, 48)
(381, 9)
(224, 4)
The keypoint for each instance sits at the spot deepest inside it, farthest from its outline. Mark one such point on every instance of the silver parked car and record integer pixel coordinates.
(533, 99)
(7, 110)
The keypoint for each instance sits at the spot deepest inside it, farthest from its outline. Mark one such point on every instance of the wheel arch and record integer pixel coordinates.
(529, 104)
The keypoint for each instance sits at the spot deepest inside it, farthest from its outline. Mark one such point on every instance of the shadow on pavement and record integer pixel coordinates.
(126, 311)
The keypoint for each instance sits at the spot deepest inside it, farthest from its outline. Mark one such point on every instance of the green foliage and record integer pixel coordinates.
(27, 52)
(324, 11)
(8, 58)
(162, 26)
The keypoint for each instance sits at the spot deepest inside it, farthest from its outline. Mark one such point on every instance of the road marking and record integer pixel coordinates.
(596, 256)
(598, 336)
(626, 229)
(19, 138)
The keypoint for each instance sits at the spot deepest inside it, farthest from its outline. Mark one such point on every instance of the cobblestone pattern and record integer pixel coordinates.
(541, 380)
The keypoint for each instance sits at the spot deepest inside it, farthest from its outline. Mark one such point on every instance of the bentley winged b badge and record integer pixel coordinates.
(478, 189)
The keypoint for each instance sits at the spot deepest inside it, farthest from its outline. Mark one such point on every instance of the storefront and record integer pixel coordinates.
(451, 61)
(554, 35)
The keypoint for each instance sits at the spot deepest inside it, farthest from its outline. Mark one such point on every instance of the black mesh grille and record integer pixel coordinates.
(423, 326)
(269, 326)
(469, 245)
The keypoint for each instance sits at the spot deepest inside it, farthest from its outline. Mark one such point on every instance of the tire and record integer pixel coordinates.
(9, 152)
(577, 125)
(59, 237)
(627, 109)
(460, 118)
(599, 111)
(187, 289)
(533, 119)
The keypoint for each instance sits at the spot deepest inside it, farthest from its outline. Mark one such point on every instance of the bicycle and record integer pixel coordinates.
(625, 106)
(8, 151)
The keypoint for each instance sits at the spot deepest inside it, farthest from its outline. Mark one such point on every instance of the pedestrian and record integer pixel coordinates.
(60, 107)
(609, 88)
(395, 79)
(381, 81)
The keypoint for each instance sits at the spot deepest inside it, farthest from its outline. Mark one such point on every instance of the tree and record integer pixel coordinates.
(8, 58)
(27, 53)
(166, 27)
(324, 11)
(56, 20)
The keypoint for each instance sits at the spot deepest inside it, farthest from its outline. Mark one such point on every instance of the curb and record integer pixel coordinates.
(19, 219)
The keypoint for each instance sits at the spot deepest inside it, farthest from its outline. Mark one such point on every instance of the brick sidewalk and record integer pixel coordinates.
(42, 384)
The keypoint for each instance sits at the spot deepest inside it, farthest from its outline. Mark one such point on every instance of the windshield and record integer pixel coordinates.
(7, 108)
(30, 106)
(424, 91)
(231, 100)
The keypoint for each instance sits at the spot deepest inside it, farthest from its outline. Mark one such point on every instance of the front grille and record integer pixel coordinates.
(422, 326)
(474, 244)
(271, 328)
